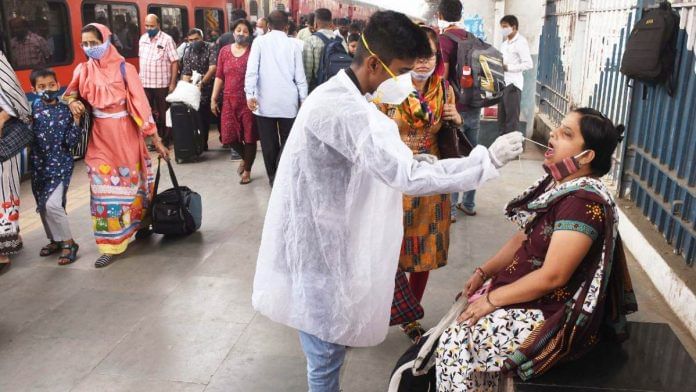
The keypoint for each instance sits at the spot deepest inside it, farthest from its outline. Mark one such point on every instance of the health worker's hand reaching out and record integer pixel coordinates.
(506, 148)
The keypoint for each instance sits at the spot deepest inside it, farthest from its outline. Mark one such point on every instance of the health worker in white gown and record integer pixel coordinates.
(333, 229)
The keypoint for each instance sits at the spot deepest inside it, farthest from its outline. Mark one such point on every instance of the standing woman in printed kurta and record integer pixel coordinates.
(426, 218)
(237, 123)
(14, 113)
(119, 165)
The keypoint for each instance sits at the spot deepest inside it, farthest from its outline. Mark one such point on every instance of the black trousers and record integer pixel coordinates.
(273, 133)
(158, 103)
(509, 110)
(205, 116)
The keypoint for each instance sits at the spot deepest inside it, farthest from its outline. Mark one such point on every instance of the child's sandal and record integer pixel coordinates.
(70, 257)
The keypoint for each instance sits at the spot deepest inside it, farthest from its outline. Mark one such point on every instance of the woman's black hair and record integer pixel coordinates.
(94, 30)
(601, 136)
(245, 22)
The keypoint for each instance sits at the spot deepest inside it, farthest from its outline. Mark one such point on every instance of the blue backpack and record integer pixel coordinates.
(333, 58)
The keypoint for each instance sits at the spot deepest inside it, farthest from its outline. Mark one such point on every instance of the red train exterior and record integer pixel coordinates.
(297, 8)
(57, 24)
(66, 17)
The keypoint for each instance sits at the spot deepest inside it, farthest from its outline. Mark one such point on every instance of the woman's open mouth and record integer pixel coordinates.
(549, 152)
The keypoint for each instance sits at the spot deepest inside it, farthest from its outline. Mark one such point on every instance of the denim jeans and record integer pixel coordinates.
(324, 361)
(471, 127)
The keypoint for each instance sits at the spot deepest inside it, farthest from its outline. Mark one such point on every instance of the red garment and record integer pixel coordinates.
(417, 281)
(237, 122)
(574, 214)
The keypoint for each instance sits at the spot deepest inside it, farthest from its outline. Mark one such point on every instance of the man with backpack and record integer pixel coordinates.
(516, 60)
(449, 16)
(324, 54)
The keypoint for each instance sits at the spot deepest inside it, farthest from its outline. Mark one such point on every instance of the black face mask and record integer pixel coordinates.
(198, 46)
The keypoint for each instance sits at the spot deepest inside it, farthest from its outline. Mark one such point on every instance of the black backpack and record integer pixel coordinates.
(333, 58)
(176, 211)
(651, 49)
(486, 65)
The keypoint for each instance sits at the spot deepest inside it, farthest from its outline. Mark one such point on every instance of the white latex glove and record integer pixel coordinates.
(425, 158)
(506, 148)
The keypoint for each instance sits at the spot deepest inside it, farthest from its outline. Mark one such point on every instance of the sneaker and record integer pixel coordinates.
(234, 156)
(466, 210)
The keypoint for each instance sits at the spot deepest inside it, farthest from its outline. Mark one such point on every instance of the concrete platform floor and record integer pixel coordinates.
(175, 315)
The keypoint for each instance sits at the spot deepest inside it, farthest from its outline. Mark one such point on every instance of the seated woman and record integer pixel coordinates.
(556, 281)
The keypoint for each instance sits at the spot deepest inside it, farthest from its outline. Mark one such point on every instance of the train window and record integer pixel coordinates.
(174, 20)
(39, 33)
(208, 19)
(121, 18)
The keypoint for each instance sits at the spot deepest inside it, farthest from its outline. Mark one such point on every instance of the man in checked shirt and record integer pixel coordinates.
(159, 67)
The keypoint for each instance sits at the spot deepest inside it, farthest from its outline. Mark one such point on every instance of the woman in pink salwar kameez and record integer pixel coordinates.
(118, 163)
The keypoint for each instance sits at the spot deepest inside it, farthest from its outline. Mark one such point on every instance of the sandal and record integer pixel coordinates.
(245, 179)
(104, 260)
(50, 249)
(414, 331)
(70, 257)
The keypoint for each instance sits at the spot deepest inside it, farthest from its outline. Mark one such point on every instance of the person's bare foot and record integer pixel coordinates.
(246, 178)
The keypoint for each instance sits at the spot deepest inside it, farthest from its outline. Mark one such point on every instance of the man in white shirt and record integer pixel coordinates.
(334, 226)
(275, 85)
(516, 60)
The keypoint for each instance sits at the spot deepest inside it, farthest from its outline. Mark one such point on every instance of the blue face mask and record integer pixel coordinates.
(97, 52)
(49, 95)
(152, 32)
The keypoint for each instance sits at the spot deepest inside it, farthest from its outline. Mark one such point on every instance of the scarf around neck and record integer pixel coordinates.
(605, 296)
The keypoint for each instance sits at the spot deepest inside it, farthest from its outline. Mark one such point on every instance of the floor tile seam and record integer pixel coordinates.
(127, 333)
(139, 378)
(224, 360)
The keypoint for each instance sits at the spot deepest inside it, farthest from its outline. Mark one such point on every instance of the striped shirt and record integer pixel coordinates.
(156, 57)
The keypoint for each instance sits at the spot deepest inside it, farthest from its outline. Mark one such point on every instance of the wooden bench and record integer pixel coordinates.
(653, 359)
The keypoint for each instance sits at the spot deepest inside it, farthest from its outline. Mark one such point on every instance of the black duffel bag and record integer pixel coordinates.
(176, 211)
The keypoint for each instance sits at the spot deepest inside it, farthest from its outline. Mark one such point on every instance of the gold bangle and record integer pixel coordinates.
(489, 301)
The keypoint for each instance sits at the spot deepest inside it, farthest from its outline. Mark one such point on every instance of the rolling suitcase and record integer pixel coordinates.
(186, 133)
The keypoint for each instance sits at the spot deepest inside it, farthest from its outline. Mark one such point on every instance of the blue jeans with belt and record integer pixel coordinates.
(471, 127)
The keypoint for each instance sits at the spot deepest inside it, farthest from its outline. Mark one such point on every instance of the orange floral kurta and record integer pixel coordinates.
(427, 218)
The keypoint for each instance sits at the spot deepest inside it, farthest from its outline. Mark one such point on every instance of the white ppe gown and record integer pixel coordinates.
(333, 230)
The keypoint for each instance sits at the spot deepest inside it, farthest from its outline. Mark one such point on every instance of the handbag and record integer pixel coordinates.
(451, 141)
(405, 307)
(415, 369)
(16, 135)
(176, 211)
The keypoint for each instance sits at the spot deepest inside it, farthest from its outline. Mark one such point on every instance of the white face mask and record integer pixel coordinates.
(392, 91)
(443, 24)
(507, 31)
(422, 76)
(259, 32)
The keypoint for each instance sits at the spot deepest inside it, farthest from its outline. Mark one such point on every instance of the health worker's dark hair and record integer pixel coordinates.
(392, 35)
